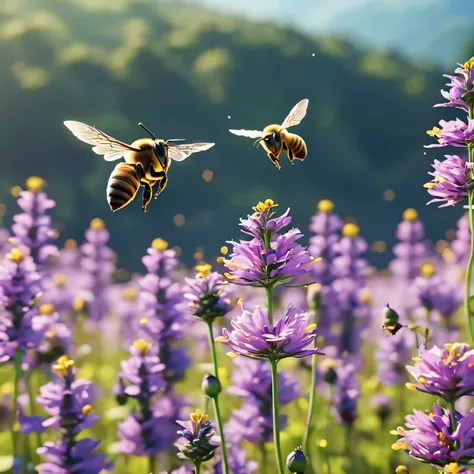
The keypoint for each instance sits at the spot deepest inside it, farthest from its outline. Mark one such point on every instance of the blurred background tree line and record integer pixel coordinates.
(190, 72)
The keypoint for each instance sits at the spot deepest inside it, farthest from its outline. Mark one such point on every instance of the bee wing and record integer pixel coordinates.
(248, 133)
(181, 152)
(110, 147)
(296, 114)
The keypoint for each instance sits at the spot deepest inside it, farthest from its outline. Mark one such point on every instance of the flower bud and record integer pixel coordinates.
(328, 367)
(401, 469)
(390, 321)
(119, 390)
(211, 386)
(296, 461)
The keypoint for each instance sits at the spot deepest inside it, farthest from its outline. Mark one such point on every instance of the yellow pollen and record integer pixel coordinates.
(232, 355)
(326, 206)
(51, 334)
(399, 445)
(452, 468)
(311, 327)
(224, 250)
(159, 244)
(434, 132)
(439, 179)
(97, 224)
(198, 417)
(394, 432)
(317, 260)
(59, 279)
(78, 304)
(468, 65)
(142, 346)
(423, 380)
(35, 184)
(410, 215)
(203, 270)
(323, 443)
(130, 293)
(86, 409)
(431, 415)
(427, 270)
(264, 206)
(410, 386)
(46, 309)
(429, 185)
(70, 244)
(470, 365)
(365, 296)
(63, 366)
(220, 260)
(143, 321)
(401, 469)
(350, 230)
(220, 339)
(15, 255)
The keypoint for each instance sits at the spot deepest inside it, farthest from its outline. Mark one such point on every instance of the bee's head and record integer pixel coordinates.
(272, 142)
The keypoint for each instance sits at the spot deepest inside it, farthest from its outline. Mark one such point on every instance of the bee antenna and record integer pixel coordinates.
(147, 129)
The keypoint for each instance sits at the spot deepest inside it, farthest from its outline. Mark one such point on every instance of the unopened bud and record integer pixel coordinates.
(211, 386)
(402, 470)
(296, 461)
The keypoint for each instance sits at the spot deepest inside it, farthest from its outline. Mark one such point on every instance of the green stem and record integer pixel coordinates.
(269, 290)
(427, 329)
(263, 458)
(198, 468)
(31, 398)
(452, 410)
(470, 263)
(16, 392)
(225, 462)
(152, 464)
(276, 416)
(327, 429)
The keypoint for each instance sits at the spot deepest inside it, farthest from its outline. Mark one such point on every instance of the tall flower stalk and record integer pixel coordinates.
(208, 301)
(272, 258)
(453, 179)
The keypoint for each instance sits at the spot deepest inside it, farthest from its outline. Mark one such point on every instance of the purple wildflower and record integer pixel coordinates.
(19, 290)
(99, 263)
(207, 296)
(393, 354)
(451, 181)
(198, 440)
(238, 463)
(270, 259)
(445, 372)
(253, 335)
(33, 228)
(433, 439)
(461, 245)
(347, 394)
(460, 86)
(454, 133)
(383, 405)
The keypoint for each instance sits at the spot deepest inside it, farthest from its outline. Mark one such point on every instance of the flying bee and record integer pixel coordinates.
(146, 164)
(275, 138)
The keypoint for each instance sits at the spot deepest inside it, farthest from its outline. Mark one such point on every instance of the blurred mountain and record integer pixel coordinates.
(190, 74)
(429, 30)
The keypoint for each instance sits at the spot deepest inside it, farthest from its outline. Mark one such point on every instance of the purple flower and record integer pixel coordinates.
(445, 372)
(383, 406)
(207, 296)
(451, 181)
(393, 354)
(270, 259)
(253, 336)
(263, 222)
(432, 438)
(99, 262)
(460, 86)
(249, 423)
(33, 227)
(461, 245)
(198, 440)
(161, 304)
(345, 399)
(452, 133)
(238, 463)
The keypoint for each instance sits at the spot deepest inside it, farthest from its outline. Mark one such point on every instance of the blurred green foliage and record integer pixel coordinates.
(184, 72)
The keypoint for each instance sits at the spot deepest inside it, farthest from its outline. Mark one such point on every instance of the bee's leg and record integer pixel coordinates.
(146, 196)
(274, 159)
(161, 185)
(290, 156)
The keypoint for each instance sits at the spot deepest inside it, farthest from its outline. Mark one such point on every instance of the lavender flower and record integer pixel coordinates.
(19, 290)
(451, 181)
(345, 400)
(452, 133)
(460, 86)
(433, 439)
(393, 353)
(198, 439)
(253, 335)
(270, 259)
(207, 296)
(383, 406)
(238, 463)
(33, 228)
(461, 245)
(445, 372)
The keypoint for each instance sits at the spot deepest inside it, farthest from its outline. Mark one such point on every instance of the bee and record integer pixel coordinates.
(275, 138)
(146, 164)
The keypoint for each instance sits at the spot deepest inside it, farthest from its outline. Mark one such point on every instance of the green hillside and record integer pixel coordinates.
(182, 72)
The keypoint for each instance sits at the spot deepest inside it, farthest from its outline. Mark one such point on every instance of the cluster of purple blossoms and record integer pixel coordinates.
(19, 291)
(253, 336)
(444, 372)
(32, 229)
(393, 354)
(434, 438)
(162, 310)
(145, 431)
(461, 245)
(98, 261)
(271, 258)
(68, 402)
(347, 394)
(253, 421)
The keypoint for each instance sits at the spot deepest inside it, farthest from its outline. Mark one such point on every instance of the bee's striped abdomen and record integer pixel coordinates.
(122, 186)
(296, 146)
